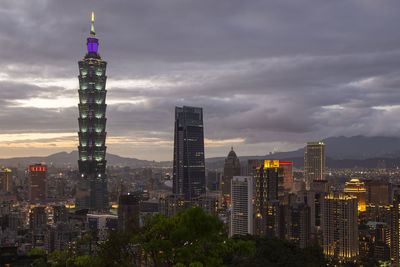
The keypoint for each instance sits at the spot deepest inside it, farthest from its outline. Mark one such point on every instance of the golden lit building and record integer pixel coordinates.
(269, 189)
(340, 227)
(356, 188)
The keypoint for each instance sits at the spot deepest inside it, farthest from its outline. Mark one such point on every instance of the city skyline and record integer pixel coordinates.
(245, 64)
(259, 77)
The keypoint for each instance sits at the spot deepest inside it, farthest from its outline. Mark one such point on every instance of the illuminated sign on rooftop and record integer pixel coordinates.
(271, 163)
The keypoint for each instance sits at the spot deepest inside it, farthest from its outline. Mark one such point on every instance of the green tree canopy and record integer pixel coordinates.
(189, 237)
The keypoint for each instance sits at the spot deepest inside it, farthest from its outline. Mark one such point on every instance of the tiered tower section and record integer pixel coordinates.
(92, 125)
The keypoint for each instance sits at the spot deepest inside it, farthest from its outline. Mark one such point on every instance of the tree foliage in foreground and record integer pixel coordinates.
(275, 252)
(190, 238)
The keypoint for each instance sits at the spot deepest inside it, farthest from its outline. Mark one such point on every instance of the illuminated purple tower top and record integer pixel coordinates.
(92, 42)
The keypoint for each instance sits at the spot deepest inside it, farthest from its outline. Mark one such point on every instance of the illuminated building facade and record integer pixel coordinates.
(319, 188)
(231, 168)
(378, 213)
(251, 169)
(172, 204)
(208, 202)
(314, 162)
(380, 233)
(37, 218)
(37, 182)
(269, 181)
(60, 214)
(269, 190)
(395, 232)
(189, 167)
(92, 189)
(340, 227)
(5, 175)
(252, 165)
(356, 188)
(241, 222)
(287, 167)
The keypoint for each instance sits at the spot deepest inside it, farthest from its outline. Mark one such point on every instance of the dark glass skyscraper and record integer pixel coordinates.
(92, 189)
(189, 171)
(314, 163)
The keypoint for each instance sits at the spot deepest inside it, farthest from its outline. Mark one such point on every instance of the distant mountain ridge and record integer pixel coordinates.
(64, 159)
(356, 147)
(340, 151)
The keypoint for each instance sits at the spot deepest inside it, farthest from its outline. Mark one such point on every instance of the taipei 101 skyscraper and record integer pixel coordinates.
(92, 186)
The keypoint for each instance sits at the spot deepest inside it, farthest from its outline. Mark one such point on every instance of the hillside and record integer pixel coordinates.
(341, 152)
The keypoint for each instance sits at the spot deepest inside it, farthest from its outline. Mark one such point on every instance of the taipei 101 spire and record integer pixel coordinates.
(92, 186)
(92, 32)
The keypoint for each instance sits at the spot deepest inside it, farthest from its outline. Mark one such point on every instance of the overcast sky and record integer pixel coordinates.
(270, 75)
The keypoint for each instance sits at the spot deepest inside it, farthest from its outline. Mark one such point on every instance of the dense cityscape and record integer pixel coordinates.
(192, 211)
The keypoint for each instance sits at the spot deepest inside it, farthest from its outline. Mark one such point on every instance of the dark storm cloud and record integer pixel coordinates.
(265, 71)
(12, 91)
(36, 120)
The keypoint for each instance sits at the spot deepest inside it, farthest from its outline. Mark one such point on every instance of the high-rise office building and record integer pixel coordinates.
(252, 165)
(59, 236)
(92, 188)
(299, 226)
(272, 222)
(213, 180)
(378, 192)
(379, 234)
(287, 167)
(314, 199)
(356, 188)
(189, 168)
(5, 183)
(241, 222)
(269, 190)
(37, 182)
(314, 162)
(269, 181)
(340, 227)
(60, 214)
(231, 168)
(251, 170)
(378, 213)
(395, 231)
(37, 218)
(129, 211)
